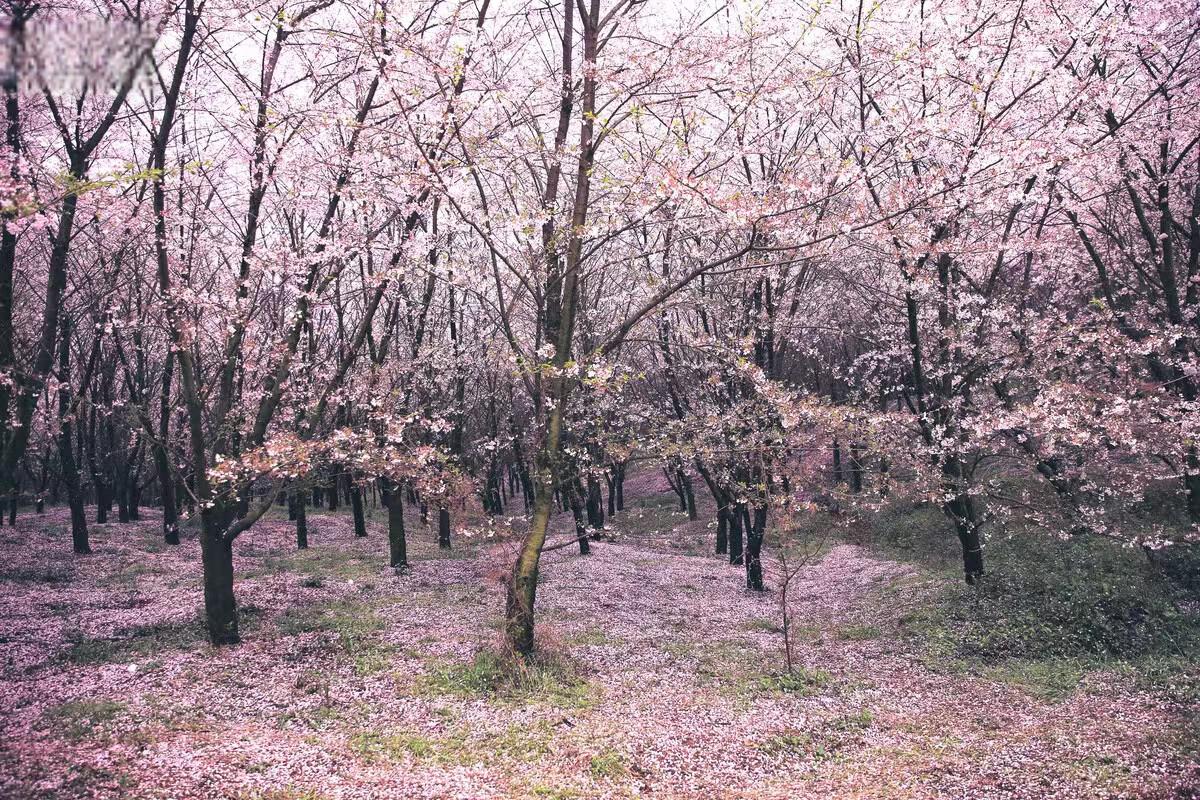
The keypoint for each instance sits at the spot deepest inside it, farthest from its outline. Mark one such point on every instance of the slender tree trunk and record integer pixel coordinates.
(444, 528)
(577, 511)
(722, 529)
(620, 481)
(689, 495)
(755, 528)
(299, 503)
(66, 446)
(356, 507)
(522, 586)
(595, 504)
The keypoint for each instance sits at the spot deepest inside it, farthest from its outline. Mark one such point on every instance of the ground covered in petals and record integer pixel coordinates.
(662, 677)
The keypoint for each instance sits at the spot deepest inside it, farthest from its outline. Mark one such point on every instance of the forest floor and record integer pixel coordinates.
(666, 679)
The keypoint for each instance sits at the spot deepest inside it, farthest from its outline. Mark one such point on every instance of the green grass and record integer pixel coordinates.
(1048, 612)
(140, 642)
(608, 764)
(859, 633)
(826, 740)
(318, 565)
(458, 747)
(545, 678)
(79, 720)
(800, 681)
(591, 637)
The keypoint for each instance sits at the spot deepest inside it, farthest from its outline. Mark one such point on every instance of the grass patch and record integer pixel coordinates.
(140, 642)
(859, 633)
(544, 791)
(317, 565)
(608, 764)
(590, 637)
(825, 741)
(1049, 679)
(1049, 611)
(800, 681)
(547, 678)
(78, 720)
(459, 747)
(762, 624)
(286, 793)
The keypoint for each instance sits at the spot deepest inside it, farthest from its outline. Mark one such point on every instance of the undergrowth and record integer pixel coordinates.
(1049, 611)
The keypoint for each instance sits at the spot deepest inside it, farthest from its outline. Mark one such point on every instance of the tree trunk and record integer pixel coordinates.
(688, 494)
(66, 447)
(444, 528)
(356, 507)
(397, 542)
(577, 511)
(722, 529)
(595, 504)
(755, 529)
(220, 606)
(299, 507)
(522, 585)
(735, 534)
(1191, 483)
(960, 508)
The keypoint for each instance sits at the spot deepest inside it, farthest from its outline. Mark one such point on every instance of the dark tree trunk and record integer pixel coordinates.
(960, 508)
(620, 482)
(356, 507)
(688, 494)
(331, 494)
(318, 497)
(676, 486)
(397, 542)
(300, 514)
(577, 511)
(722, 529)
(66, 447)
(856, 469)
(595, 504)
(837, 463)
(220, 606)
(735, 533)
(444, 528)
(612, 494)
(1191, 484)
(755, 528)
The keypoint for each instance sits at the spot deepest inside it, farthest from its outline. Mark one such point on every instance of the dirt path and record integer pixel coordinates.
(355, 683)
